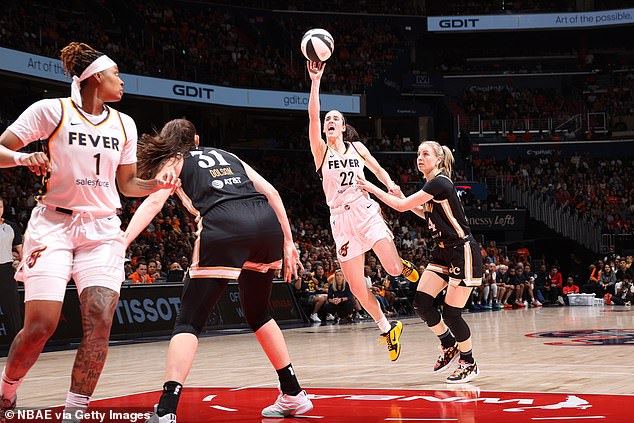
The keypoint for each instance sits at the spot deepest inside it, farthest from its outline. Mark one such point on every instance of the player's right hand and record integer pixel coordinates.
(315, 69)
(291, 261)
(37, 163)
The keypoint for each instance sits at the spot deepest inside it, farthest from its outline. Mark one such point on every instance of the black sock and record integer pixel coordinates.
(447, 339)
(288, 381)
(169, 398)
(467, 356)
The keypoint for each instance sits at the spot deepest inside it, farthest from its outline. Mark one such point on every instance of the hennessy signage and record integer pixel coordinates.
(497, 220)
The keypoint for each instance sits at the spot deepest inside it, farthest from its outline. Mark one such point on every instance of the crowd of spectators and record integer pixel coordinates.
(472, 7)
(207, 43)
(506, 102)
(602, 190)
(612, 91)
(514, 282)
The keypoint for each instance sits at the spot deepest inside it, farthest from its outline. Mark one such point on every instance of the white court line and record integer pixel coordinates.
(568, 418)
(220, 407)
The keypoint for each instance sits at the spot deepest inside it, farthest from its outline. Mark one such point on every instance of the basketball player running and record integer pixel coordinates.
(456, 264)
(74, 232)
(355, 219)
(242, 233)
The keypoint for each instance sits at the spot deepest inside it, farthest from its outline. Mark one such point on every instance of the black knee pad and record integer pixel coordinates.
(187, 327)
(425, 308)
(256, 323)
(453, 319)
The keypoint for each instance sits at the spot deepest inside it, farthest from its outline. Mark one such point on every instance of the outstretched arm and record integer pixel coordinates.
(132, 186)
(317, 145)
(152, 205)
(400, 204)
(291, 256)
(374, 166)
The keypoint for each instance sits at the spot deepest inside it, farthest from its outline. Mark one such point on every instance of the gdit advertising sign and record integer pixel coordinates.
(32, 65)
(530, 21)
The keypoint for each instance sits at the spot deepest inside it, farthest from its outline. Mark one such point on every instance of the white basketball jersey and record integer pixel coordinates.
(339, 174)
(84, 157)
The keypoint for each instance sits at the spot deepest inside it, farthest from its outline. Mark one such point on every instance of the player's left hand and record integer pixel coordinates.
(168, 179)
(365, 185)
(291, 261)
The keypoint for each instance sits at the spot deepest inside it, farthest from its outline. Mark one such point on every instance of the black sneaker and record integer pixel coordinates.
(464, 373)
(448, 356)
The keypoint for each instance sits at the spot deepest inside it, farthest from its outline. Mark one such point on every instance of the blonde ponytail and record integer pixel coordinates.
(448, 160)
(445, 154)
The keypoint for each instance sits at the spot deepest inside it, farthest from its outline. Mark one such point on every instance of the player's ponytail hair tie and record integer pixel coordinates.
(100, 64)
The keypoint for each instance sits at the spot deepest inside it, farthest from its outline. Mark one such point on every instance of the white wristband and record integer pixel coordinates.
(17, 157)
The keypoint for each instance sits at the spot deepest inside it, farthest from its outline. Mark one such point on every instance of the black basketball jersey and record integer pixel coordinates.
(445, 216)
(211, 176)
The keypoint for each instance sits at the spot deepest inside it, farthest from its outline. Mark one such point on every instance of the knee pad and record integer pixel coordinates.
(424, 307)
(453, 318)
(187, 327)
(257, 323)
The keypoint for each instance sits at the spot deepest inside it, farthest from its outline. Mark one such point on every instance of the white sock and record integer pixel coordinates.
(384, 325)
(9, 386)
(75, 402)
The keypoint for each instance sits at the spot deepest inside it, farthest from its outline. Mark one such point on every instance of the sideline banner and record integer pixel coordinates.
(597, 149)
(564, 20)
(496, 220)
(34, 65)
(151, 310)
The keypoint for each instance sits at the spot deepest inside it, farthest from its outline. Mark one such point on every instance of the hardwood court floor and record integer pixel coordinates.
(347, 356)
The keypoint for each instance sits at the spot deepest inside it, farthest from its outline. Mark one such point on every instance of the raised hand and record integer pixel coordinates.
(315, 69)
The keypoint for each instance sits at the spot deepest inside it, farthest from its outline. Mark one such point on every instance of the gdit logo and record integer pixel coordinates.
(458, 23)
(192, 91)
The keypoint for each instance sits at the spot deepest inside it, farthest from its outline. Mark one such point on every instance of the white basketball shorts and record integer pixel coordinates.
(58, 246)
(356, 227)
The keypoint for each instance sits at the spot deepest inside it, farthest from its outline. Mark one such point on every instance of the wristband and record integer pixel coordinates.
(17, 157)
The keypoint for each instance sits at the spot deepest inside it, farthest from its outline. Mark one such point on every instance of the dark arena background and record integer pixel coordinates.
(534, 98)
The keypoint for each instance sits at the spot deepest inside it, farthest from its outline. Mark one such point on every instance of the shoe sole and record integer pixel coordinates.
(445, 368)
(299, 410)
(467, 379)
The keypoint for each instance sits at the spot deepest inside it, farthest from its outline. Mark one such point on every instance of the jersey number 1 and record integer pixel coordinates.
(97, 160)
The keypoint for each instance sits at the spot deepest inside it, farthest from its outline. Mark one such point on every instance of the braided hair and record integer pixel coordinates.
(76, 57)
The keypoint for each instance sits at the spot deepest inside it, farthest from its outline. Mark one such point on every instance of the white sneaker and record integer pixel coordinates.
(288, 405)
(536, 303)
(330, 317)
(168, 418)
(315, 318)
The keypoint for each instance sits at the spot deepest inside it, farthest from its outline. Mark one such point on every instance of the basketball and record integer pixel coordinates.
(317, 45)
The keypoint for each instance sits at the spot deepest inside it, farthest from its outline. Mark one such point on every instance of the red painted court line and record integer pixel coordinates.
(358, 405)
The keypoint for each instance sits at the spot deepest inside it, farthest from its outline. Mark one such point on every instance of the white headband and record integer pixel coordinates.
(100, 64)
